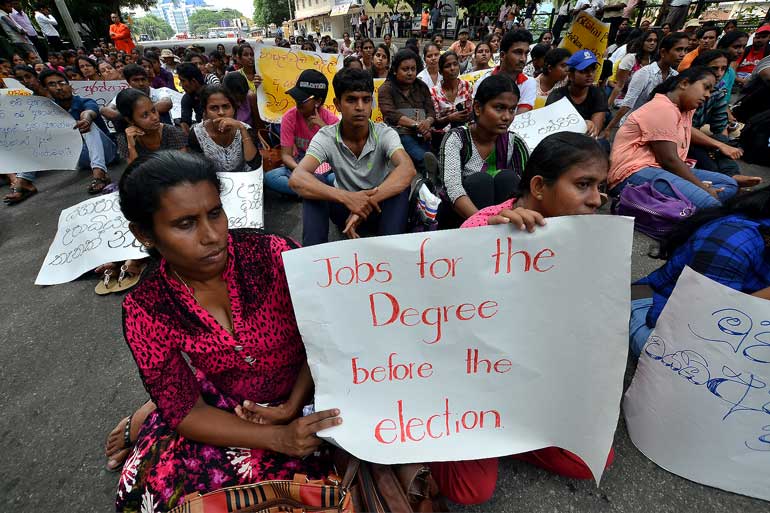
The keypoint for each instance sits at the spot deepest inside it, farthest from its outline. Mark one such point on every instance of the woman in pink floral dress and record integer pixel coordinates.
(210, 326)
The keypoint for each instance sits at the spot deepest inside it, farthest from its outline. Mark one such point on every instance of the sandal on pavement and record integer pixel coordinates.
(18, 194)
(97, 185)
(106, 285)
(127, 279)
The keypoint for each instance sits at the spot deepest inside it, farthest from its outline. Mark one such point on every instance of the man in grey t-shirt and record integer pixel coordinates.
(373, 172)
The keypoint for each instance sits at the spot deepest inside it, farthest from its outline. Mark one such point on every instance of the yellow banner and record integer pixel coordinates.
(587, 33)
(280, 68)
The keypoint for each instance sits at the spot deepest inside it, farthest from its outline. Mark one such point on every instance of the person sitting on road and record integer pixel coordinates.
(713, 113)
(562, 177)
(298, 127)
(161, 76)
(98, 149)
(218, 299)
(137, 78)
(588, 99)
(481, 165)
(27, 76)
(707, 39)
(145, 133)
(373, 172)
(220, 137)
(191, 80)
(554, 74)
(514, 49)
(654, 140)
(727, 244)
(407, 106)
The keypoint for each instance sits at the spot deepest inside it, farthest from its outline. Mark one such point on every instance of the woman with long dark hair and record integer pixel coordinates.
(641, 52)
(728, 244)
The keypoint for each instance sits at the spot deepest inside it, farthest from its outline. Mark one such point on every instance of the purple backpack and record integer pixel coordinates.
(655, 213)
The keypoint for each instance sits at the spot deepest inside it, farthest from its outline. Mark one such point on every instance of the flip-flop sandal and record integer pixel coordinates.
(127, 444)
(23, 194)
(97, 185)
(127, 279)
(106, 285)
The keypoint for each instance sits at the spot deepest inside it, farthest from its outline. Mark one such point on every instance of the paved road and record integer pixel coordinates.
(67, 377)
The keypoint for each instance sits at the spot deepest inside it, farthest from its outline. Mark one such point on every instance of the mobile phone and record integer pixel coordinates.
(460, 107)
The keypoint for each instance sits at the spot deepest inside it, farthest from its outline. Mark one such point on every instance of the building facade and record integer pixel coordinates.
(334, 17)
(177, 12)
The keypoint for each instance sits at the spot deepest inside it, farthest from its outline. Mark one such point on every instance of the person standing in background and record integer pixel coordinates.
(15, 33)
(354, 21)
(20, 17)
(677, 13)
(378, 24)
(435, 18)
(121, 34)
(613, 14)
(48, 24)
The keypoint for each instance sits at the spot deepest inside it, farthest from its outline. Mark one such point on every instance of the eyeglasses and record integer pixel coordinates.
(59, 84)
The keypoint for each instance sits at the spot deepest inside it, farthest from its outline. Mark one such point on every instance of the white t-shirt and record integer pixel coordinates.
(425, 77)
(47, 24)
(627, 62)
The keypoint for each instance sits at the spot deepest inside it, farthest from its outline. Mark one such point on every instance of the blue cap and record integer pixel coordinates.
(581, 59)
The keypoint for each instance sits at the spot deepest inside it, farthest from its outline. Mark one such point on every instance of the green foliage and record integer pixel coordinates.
(153, 26)
(271, 11)
(203, 19)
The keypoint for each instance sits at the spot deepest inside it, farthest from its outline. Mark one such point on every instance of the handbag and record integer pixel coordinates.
(271, 156)
(366, 487)
(655, 213)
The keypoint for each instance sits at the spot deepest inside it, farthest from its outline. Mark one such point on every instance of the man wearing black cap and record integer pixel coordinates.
(463, 47)
(373, 172)
(298, 126)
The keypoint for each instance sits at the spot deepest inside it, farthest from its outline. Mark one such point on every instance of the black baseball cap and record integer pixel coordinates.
(310, 83)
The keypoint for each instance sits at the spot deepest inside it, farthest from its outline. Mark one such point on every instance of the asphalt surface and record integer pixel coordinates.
(67, 378)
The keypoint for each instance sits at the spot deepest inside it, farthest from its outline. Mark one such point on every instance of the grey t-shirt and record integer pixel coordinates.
(352, 173)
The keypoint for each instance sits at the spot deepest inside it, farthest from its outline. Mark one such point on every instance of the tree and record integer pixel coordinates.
(271, 11)
(153, 26)
(203, 19)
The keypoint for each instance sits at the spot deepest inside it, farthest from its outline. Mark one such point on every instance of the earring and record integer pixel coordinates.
(539, 196)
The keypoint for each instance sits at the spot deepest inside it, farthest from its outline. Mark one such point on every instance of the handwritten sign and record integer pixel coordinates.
(95, 231)
(280, 68)
(473, 76)
(242, 198)
(699, 404)
(176, 100)
(437, 347)
(587, 33)
(101, 91)
(536, 125)
(36, 134)
(90, 234)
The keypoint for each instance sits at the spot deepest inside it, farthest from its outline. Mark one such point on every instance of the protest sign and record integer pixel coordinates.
(95, 231)
(90, 234)
(242, 198)
(176, 100)
(473, 76)
(587, 33)
(698, 405)
(376, 116)
(100, 91)
(36, 134)
(280, 68)
(535, 125)
(468, 344)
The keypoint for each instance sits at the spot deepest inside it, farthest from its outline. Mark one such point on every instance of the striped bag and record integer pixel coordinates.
(278, 496)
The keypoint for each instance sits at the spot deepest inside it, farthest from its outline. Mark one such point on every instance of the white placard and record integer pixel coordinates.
(14, 88)
(176, 100)
(468, 344)
(699, 404)
(535, 125)
(90, 234)
(101, 91)
(36, 135)
(242, 197)
(95, 232)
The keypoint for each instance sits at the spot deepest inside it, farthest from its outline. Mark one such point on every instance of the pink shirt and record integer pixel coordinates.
(658, 120)
(481, 217)
(295, 132)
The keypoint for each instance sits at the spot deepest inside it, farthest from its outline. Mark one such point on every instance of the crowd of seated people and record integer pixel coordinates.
(664, 116)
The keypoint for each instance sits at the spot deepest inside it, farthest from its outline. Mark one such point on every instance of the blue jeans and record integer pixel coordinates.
(699, 197)
(638, 331)
(416, 149)
(278, 180)
(316, 214)
(98, 151)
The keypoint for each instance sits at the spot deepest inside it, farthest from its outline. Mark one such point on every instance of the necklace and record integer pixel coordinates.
(230, 330)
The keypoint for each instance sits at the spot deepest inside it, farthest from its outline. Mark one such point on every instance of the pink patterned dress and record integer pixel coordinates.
(260, 362)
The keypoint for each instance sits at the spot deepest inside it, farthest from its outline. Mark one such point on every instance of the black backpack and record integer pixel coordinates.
(755, 139)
